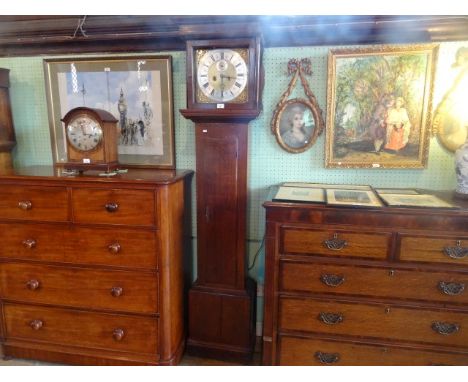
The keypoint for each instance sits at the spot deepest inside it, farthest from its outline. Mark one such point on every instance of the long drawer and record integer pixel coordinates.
(314, 352)
(80, 328)
(436, 249)
(114, 206)
(374, 281)
(79, 245)
(88, 288)
(335, 242)
(36, 203)
(375, 320)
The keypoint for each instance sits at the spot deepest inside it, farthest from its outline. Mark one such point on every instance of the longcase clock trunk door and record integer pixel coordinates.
(221, 188)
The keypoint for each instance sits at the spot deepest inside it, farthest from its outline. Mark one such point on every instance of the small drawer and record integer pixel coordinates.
(316, 352)
(375, 321)
(374, 281)
(117, 206)
(441, 249)
(334, 243)
(79, 328)
(34, 203)
(124, 291)
(79, 245)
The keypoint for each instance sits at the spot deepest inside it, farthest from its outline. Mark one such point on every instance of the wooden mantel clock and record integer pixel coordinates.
(224, 81)
(91, 139)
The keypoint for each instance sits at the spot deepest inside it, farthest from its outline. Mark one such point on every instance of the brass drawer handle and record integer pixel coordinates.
(457, 252)
(111, 207)
(118, 334)
(114, 248)
(29, 243)
(330, 318)
(332, 280)
(25, 205)
(445, 328)
(33, 284)
(327, 357)
(36, 324)
(451, 289)
(116, 291)
(335, 244)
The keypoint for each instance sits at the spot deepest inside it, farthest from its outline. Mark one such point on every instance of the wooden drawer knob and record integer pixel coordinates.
(327, 358)
(116, 291)
(335, 244)
(114, 248)
(36, 324)
(24, 205)
(33, 284)
(118, 334)
(111, 207)
(29, 243)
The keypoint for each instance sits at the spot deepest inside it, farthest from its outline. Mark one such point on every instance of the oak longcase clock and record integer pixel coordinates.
(224, 80)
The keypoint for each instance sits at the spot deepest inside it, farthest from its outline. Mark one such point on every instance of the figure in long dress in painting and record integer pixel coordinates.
(398, 126)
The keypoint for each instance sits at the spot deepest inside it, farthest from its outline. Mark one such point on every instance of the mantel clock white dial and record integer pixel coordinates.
(222, 75)
(84, 133)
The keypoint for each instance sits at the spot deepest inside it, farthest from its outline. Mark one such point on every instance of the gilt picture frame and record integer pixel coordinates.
(296, 125)
(379, 104)
(137, 90)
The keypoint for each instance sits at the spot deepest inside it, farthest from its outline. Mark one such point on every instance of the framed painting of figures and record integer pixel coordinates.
(378, 106)
(136, 90)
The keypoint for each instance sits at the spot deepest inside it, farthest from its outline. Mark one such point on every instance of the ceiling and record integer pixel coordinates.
(45, 35)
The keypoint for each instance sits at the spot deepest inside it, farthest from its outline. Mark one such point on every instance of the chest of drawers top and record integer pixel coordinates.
(42, 193)
(392, 218)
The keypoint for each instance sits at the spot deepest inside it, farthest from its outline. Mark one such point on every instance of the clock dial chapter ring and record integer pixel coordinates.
(84, 133)
(222, 75)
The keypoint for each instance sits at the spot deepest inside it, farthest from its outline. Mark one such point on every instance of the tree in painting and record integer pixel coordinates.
(379, 102)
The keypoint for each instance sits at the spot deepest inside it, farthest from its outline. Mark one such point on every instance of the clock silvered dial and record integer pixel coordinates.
(222, 74)
(84, 133)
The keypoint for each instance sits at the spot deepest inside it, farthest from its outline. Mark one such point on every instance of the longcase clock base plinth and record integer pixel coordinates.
(222, 322)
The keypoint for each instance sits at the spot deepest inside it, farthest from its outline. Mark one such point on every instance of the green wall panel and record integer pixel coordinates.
(268, 163)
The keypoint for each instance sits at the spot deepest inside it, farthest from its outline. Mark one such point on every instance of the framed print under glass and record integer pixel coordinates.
(327, 185)
(379, 104)
(344, 197)
(421, 200)
(136, 90)
(300, 194)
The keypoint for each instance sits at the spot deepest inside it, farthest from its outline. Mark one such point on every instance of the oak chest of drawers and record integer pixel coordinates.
(91, 268)
(358, 286)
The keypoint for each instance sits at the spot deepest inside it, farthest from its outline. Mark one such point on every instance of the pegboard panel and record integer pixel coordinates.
(268, 163)
(29, 108)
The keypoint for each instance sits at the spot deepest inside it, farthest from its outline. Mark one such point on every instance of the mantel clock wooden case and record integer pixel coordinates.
(91, 139)
(223, 96)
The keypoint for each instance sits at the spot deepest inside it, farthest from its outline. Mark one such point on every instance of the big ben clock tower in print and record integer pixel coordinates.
(224, 81)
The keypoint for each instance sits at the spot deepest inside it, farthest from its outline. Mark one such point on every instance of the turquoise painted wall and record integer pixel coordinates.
(268, 163)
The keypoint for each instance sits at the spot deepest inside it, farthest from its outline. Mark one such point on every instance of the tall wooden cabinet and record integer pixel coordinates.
(360, 286)
(91, 268)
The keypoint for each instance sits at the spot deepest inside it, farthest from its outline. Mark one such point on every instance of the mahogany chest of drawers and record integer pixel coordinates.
(359, 286)
(91, 268)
